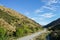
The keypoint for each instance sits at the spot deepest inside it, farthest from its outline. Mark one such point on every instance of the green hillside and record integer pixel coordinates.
(14, 24)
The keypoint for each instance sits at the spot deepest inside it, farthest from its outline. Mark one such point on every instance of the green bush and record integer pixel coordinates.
(2, 33)
(19, 32)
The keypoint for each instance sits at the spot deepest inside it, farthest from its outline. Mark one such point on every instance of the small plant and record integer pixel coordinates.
(2, 33)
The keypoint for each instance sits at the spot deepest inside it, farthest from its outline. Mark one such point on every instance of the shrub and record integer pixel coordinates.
(19, 32)
(2, 33)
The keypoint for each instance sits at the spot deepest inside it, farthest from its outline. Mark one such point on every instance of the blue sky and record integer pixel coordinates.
(42, 11)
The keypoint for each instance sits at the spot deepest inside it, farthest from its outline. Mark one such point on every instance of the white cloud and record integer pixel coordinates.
(50, 8)
(41, 18)
(26, 13)
(33, 18)
(48, 5)
(49, 2)
(52, 2)
(48, 15)
(38, 11)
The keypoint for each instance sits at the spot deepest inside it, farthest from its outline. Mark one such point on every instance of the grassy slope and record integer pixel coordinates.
(16, 24)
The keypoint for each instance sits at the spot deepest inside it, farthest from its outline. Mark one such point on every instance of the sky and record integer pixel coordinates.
(41, 11)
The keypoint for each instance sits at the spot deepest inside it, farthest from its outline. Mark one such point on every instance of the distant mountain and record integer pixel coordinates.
(15, 24)
(54, 27)
(54, 23)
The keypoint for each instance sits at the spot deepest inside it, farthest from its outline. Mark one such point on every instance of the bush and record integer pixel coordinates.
(2, 33)
(19, 32)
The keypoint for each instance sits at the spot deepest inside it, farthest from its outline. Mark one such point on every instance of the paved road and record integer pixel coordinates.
(30, 37)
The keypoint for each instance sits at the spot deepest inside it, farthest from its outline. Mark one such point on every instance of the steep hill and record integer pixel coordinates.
(54, 27)
(53, 23)
(16, 24)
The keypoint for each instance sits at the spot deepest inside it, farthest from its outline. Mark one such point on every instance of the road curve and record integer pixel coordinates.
(30, 37)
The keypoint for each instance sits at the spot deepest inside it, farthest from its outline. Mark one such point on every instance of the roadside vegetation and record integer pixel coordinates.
(43, 36)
